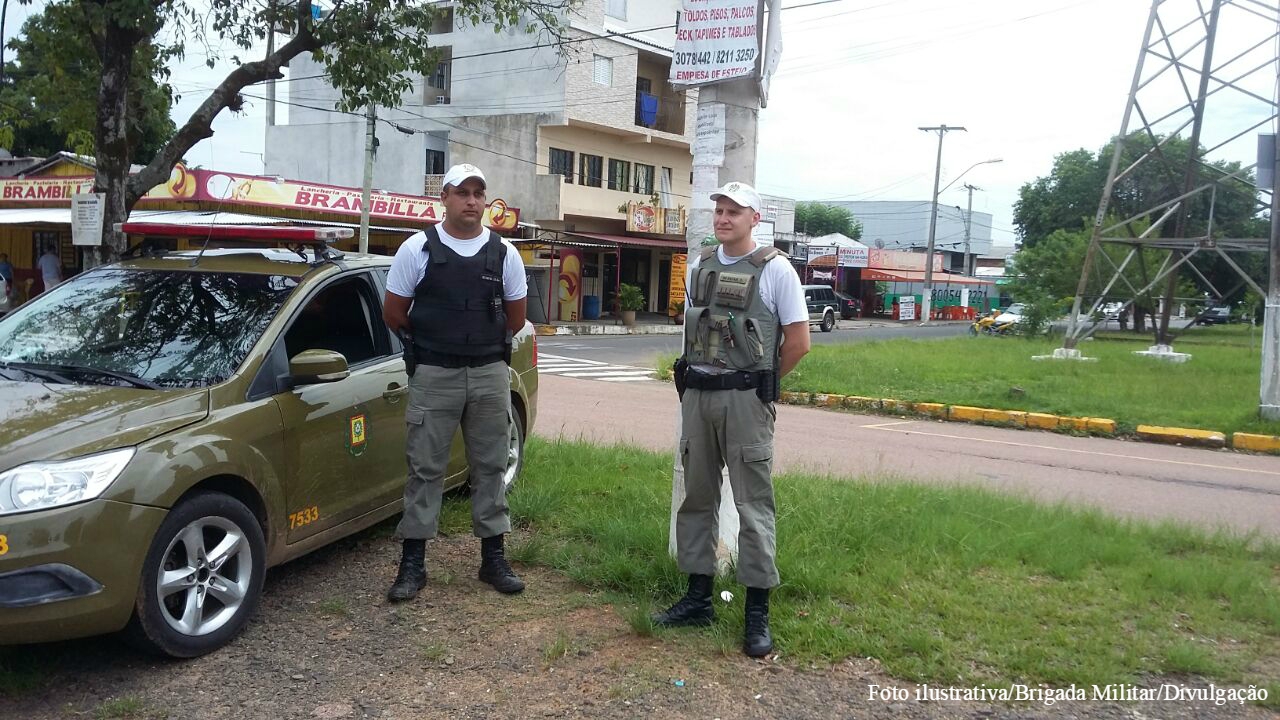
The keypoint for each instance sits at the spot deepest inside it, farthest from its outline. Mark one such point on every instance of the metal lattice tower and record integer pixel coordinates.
(1206, 75)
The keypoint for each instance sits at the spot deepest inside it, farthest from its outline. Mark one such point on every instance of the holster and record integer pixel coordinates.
(769, 388)
(506, 348)
(410, 353)
(680, 375)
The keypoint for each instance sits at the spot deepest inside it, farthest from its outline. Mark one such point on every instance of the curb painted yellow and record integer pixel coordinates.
(1182, 436)
(937, 410)
(795, 398)
(857, 402)
(1257, 443)
(1043, 421)
(897, 407)
(1101, 426)
(827, 400)
(964, 413)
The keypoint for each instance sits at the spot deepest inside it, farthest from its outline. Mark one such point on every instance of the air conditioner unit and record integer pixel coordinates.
(442, 99)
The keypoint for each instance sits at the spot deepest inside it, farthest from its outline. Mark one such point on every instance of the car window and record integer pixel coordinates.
(173, 328)
(339, 318)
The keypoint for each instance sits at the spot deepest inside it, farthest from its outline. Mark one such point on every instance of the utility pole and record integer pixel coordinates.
(271, 49)
(926, 299)
(1269, 402)
(968, 222)
(370, 148)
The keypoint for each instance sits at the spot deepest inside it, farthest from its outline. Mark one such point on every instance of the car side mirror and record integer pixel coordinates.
(311, 367)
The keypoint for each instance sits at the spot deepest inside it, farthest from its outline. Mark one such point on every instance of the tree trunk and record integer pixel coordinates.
(111, 139)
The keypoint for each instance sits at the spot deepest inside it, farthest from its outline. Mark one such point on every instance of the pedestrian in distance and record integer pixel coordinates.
(746, 326)
(456, 294)
(50, 266)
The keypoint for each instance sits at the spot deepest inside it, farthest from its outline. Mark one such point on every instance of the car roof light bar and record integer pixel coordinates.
(243, 233)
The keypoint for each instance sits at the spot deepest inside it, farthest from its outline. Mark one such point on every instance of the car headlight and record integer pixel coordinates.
(43, 485)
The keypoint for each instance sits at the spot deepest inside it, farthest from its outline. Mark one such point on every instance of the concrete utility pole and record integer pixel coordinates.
(968, 223)
(1269, 402)
(271, 84)
(927, 298)
(738, 102)
(370, 148)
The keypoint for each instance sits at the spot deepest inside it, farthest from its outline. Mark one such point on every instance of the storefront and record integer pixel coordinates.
(35, 211)
(893, 276)
(837, 261)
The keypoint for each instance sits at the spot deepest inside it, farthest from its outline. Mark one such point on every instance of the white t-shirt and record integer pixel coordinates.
(50, 267)
(779, 286)
(410, 264)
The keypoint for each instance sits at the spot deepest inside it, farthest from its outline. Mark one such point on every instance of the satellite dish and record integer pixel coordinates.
(880, 243)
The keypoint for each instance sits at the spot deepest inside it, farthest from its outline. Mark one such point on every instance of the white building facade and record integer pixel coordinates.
(569, 139)
(904, 225)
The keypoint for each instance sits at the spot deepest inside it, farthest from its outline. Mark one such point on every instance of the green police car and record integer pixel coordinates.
(173, 424)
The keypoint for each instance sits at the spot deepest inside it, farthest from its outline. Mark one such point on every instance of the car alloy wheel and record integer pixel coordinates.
(202, 577)
(515, 449)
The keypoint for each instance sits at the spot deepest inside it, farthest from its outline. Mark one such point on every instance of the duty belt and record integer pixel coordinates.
(445, 360)
(738, 380)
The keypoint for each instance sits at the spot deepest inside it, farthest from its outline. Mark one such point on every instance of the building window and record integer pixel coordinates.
(441, 77)
(435, 162)
(560, 162)
(619, 175)
(644, 179)
(590, 169)
(616, 9)
(604, 70)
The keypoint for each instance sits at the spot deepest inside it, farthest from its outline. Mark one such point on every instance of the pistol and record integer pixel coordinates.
(410, 356)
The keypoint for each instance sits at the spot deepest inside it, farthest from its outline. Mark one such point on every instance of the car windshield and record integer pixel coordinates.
(144, 327)
(1014, 309)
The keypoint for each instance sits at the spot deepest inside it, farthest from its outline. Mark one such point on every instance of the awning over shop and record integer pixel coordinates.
(629, 241)
(939, 278)
(62, 216)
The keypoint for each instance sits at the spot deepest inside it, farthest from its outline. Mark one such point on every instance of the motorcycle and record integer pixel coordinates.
(986, 325)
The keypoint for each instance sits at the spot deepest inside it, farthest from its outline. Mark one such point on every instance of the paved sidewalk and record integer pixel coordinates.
(656, 326)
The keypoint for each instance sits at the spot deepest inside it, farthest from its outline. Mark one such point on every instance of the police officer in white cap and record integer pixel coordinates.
(746, 325)
(456, 294)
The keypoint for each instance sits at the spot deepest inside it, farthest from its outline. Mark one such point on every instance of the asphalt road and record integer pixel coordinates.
(1209, 488)
(642, 350)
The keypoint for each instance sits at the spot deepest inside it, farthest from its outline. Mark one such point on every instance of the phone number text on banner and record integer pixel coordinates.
(716, 40)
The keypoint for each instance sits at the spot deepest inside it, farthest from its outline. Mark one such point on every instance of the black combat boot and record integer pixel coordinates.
(692, 609)
(413, 572)
(494, 568)
(757, 642)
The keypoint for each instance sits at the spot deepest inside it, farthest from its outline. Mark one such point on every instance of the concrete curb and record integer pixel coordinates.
(1036, 421)
(608, 329)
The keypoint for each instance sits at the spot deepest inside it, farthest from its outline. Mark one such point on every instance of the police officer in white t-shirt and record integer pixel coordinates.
(456, 293)
(746, 325)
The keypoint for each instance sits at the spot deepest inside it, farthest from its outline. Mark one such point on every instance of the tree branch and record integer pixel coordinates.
(200, 125)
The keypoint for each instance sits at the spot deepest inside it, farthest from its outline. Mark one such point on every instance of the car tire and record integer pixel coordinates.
(179, 621)
(828, 321)
(515, 449)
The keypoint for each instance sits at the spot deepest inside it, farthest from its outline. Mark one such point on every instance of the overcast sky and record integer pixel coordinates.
(1028, 79)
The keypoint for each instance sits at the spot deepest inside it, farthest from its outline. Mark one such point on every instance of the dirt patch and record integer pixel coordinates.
(326, 644)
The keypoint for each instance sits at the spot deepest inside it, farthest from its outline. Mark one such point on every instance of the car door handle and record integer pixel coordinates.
(393, 395)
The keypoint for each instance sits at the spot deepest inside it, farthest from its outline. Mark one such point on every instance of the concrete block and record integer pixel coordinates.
(1257, 443)
(1182, 436)
(1042, 421)
(857, 402)
(937, 410)
(1078, 424)
(897, 407)
(1101, 426)
(795, 398)
(828, 400)
(964, 413)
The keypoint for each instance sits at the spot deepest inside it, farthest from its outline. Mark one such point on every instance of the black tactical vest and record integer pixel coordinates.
(457, 308)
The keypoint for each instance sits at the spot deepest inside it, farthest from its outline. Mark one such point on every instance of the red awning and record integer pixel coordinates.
(939, 278)
(629, 241)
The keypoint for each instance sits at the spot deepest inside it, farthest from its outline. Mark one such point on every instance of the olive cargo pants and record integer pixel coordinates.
(730, 428)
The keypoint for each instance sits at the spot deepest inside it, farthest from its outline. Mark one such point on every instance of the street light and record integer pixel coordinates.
(926, 301)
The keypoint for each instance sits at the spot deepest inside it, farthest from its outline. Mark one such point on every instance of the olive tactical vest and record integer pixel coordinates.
(726, 322)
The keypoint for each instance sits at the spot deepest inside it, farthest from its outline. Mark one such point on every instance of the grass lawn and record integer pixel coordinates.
(1216, 390)
(940, 584)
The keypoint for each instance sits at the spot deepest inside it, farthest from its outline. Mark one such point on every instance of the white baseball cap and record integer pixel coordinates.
(458, 174)
(741, 193)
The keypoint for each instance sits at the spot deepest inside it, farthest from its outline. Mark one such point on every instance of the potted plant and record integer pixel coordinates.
(630, 299)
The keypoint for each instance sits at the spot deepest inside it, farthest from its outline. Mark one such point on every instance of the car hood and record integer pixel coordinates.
(53, 422)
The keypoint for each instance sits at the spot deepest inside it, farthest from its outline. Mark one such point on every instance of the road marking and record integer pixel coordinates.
(590, 369)
(889, 424)
(889, 428)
